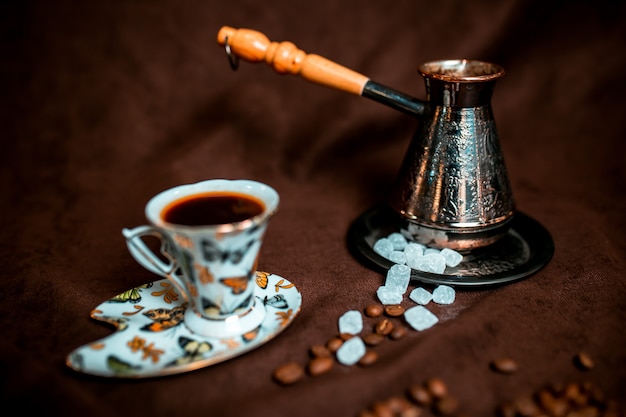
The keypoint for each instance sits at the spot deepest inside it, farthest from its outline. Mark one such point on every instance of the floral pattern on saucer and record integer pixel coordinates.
(152, 340)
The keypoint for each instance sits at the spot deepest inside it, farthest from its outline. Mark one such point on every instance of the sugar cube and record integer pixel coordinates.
(444, 294)
(420, 318)
(351, 351)
(351, 322)
(421, 296)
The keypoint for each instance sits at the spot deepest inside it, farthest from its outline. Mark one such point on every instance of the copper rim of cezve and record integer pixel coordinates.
(461, 70)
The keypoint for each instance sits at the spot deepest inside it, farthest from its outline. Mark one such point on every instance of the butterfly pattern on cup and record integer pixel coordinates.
(212, 253)
(213, 310)
(200, 274)
(237, 285)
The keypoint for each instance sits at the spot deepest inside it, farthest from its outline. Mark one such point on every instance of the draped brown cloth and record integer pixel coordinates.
(106, 103)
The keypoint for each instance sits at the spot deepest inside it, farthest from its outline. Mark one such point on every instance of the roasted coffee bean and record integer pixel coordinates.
(504, 365)
(506, 410)
(334, 344)
(571, 399)
(398, 332)
(525, 406)
(436, 387)
(320, 351)
(374, 310)
(419, 395)
(289, 373)
(577, 394)
(320, 365)
(369, 358)
(553, 405)
(382, 409)
(574, 393)
(446, 405)
(394, 310)
(583, 361)
(346, 336)
(399, 405)
(383, 327)
(372, 339)
(411, 411)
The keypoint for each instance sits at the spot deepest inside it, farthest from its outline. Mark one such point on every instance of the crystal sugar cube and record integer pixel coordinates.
(434, 263)
(452, 257)
(398, 276)
(421, 296)
(420, 318)
(389, 295)
(413, 250)
(351, 322)
(397, 257)
(351, 351)
(444, 294)
(397, 240)
(383, 247)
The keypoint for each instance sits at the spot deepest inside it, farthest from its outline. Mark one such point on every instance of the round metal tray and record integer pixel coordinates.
(524, 250)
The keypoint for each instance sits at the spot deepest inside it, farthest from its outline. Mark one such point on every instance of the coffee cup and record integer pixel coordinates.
(211, 234)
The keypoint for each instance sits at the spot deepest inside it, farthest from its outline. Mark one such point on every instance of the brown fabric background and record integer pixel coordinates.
(105, 103)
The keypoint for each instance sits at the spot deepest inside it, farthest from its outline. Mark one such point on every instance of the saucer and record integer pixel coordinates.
(525, 249)
(151, 339)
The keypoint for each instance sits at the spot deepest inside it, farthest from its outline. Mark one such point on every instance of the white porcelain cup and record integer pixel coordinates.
(211, 234)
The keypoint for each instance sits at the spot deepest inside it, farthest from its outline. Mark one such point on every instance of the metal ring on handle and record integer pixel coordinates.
(233, 59)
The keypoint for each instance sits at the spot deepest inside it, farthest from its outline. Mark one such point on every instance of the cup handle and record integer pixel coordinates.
(148, 259)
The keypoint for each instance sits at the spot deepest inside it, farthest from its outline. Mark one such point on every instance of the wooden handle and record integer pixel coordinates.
(286, 58)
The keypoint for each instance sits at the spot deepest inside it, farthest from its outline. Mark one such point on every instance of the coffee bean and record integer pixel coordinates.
(525, 406)
(504, 365)
(383, 327)
(576, 394)
(419, 395)
(320, 351)
(374, 310)
(571, 399)
(382, 409)
(372, 339)
(573, 392)
(369, 358)
(506, 410)
(334, 344)
(398, 332)
(289, 373)
(411, 411)
(584, 361)
(394, 310)
(436, 387)
(399, 405)
(346, 336)
(446, 405)
(554, 406)
(320, 365)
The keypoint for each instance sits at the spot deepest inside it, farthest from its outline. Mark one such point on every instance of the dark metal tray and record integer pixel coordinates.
(524, 250)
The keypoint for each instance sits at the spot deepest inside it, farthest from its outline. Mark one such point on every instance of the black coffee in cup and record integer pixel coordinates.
(212, 209)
